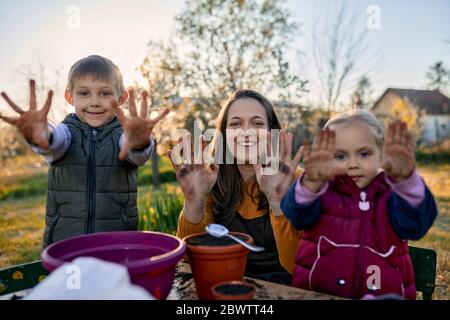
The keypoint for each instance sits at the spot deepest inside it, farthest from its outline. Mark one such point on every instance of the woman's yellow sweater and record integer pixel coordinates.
(286, 236)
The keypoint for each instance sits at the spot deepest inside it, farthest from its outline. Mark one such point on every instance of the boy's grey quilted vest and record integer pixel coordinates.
(90, 189)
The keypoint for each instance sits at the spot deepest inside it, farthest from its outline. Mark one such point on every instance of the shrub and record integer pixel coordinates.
(160, 209)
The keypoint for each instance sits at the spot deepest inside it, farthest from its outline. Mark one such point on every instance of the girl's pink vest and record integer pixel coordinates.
(353, 250)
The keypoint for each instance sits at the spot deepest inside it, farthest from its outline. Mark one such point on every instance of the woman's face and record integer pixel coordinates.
(247, 125)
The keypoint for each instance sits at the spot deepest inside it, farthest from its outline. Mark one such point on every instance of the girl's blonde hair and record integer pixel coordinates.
(363, 116)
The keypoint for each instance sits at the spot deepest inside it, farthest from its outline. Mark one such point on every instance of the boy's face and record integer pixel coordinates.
(92, 100)
(357, 151)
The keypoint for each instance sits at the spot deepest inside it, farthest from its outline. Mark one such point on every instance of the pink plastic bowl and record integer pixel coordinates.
(150, 257)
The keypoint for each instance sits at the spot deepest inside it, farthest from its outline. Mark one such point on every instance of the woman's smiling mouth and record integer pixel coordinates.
(246, 143)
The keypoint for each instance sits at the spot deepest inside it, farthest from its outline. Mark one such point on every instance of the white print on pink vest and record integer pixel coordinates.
(374, 281)
(363, 204)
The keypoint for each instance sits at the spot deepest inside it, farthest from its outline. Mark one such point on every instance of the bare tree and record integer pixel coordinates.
(52, 78)
(438, 76)
(162, 70)
(361, 97)
(339, 54)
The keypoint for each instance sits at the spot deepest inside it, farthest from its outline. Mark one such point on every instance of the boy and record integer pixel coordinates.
(93, 155)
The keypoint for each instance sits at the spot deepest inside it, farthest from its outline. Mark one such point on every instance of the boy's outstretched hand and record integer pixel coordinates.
(398, 154)
(319, 161)
(32, 123)
(137, 128)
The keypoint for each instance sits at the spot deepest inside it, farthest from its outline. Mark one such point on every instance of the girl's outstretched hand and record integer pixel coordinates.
(32, 124)
(398, 154)
(319, 161)
(137, 127)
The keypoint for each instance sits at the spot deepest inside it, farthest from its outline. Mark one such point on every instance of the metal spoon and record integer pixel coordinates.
(218, 230)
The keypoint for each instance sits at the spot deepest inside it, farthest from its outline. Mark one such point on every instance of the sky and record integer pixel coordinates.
(411, 36)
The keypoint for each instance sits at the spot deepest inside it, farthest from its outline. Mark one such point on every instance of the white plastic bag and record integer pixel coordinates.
(88, 278)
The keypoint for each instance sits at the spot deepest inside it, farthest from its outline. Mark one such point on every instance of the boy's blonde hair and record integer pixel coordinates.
(364, 116)
(97, 67)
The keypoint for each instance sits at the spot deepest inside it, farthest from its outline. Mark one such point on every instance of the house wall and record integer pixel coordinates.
(383, 106)
(435, 126)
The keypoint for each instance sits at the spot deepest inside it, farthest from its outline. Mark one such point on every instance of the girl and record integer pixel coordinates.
(356, 216)
(237, 194)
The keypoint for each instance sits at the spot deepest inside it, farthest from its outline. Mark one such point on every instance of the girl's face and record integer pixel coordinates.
(245, 119)
(357, 152)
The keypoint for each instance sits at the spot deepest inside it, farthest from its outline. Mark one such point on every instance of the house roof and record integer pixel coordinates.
(431, 101)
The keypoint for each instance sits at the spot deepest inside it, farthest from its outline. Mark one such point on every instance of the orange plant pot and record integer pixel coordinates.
(211, 264)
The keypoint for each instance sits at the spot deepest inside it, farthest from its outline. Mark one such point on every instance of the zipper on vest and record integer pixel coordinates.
(91, 184)
(124, 221)
(359, 276)
(53, 225)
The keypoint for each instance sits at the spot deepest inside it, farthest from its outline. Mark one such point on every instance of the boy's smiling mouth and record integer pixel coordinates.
(94, 113)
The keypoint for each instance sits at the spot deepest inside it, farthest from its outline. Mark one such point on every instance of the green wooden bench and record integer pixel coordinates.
(26, 276)
(424, 262)
(21, 277)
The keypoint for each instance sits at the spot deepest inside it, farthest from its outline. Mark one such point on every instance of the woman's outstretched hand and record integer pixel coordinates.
(196, 178)
(276, 183)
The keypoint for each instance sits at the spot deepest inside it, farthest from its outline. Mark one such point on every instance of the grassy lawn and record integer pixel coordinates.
(438, 237)
(22, 206)
(21, 225)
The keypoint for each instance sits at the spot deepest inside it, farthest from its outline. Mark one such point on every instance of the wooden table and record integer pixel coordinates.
(184, 289)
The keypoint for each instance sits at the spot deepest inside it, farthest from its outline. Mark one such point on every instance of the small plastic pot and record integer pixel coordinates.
(233, 290)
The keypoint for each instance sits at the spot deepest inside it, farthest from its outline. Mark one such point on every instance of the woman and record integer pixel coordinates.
(238, 195)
